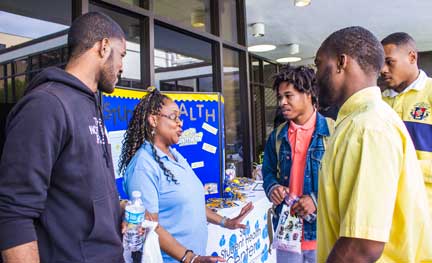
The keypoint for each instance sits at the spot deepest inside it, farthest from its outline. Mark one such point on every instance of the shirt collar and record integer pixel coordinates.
(310, 124)
(357, 101)
(159, 152)
(418, 85)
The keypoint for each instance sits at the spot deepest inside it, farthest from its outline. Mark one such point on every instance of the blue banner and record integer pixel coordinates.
(201, 143)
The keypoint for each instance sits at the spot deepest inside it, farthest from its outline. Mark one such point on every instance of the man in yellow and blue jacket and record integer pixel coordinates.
(409, 93)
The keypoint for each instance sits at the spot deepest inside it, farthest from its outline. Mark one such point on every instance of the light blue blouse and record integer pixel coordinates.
(181, 206)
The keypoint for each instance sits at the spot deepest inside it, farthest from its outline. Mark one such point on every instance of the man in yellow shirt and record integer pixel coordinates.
(409, 93)
(372, 199)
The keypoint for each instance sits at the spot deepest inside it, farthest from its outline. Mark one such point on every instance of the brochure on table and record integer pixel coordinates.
(201, 142)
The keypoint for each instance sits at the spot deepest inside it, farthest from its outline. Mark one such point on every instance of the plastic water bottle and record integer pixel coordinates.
(134, 216)
(230, 172)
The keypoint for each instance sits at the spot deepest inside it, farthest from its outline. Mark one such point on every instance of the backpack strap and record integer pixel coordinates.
(270, 214)
(277, 147)
(271, 211)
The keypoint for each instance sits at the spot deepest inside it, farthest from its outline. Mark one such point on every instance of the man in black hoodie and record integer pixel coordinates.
(58, 200)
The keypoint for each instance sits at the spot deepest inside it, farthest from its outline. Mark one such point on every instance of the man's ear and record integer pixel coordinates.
(342, 62)
(412, 57)
(104, 48)
(309, 97)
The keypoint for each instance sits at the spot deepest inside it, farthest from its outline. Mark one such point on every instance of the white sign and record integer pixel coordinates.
(197, 165)
(209, 128)
(242, 246)
(116, 139)
(190, 137)
(209, 148)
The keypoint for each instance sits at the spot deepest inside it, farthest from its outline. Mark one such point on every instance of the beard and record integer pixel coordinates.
(324, 89)
(108, 76)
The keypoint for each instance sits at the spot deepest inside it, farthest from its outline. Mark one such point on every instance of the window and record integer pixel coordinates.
(50, 58)
(23, 20)
(264, 103)
(255, 70)
(269, 71)
(2, 85)
(205, 84)
(182, 62)
(229, 20)
(20, 85)
(258, 118)
(191, 13)
(270, 101)
(270, 107)
(233, 121)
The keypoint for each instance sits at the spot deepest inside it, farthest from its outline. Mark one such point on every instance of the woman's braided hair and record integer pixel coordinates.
(139, 130)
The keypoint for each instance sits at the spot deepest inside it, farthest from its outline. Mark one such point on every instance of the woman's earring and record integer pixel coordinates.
(153, 132)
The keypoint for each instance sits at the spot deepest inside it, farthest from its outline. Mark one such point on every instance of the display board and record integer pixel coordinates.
(201, 143)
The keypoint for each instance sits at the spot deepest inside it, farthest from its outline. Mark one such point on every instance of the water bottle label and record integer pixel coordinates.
(134, 218)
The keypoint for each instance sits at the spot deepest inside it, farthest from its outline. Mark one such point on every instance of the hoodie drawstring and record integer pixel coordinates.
(101, 130)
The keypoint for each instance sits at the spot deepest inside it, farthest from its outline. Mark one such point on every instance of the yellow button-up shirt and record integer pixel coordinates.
(371, 184)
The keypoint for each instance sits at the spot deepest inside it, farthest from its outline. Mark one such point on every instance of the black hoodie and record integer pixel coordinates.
(57, 183)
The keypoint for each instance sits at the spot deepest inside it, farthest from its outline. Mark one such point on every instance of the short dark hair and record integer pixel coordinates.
(90, 28)
(398, 39)
(302, 78)
(358, 43)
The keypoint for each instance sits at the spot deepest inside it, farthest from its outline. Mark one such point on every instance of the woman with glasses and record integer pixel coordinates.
(171, 192)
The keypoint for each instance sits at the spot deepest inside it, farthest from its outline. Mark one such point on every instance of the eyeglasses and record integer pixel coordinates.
(172, 116)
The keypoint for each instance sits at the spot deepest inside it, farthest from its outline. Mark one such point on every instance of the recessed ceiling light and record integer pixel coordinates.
(288, 59)
(261, 48)
(302, 3)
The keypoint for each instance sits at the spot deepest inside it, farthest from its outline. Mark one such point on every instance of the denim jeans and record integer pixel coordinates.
(307, 256)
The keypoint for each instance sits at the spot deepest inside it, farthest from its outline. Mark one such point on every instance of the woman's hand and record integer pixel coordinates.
(208, 259)
(235, 222)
